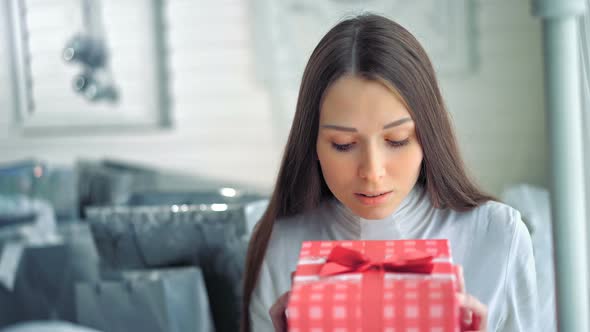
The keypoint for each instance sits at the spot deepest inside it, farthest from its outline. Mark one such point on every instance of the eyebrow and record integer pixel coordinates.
(350, 129)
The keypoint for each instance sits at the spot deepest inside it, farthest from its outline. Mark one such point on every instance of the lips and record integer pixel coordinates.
(373, 194)
(373, 198)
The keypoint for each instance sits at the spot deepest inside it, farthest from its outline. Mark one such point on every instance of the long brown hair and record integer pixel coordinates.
(375, 48)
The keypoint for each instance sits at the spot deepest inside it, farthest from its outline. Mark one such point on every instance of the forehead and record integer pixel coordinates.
(350, 98)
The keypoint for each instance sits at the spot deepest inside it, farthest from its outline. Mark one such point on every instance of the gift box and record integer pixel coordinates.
(398, 285)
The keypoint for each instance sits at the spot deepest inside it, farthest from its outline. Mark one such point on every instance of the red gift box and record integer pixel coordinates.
(397, 285)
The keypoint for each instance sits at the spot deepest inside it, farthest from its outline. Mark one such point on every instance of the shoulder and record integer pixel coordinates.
(507, 234)
(495, 221)
(293, 227)
(289, 232)
(282, 253)
(492, 234)
(500, 238)
(301, 226)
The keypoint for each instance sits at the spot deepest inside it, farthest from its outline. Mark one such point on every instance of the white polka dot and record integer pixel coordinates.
(434, 284)
(315, 312)
(339, 296)
(435, 295)
(411, 284)
(389, 329)
(411, 311)
(305, 253)
(317, 329)
(293, 313)
(412, 329)
(436, 329)
(346, 244)
(409, 243)
(326, 244)
(411, 295)
(436, 311)
(388, 295)
(388, 311)
(317, 287)
(306, 245)
(341, 286)
(324, 252)
(339, 312)
(317, 297)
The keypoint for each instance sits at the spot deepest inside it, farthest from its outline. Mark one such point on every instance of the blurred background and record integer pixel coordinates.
(122, 122)
(231, 77)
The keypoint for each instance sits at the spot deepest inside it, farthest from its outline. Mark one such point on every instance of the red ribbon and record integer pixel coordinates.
(342, 260)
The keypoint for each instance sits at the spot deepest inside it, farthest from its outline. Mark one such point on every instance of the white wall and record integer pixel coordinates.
(223, 117)
(499, 111)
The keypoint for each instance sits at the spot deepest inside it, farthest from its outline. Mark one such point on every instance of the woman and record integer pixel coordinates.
(372, 155)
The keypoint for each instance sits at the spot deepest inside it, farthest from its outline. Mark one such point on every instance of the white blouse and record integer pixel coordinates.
(491, 243)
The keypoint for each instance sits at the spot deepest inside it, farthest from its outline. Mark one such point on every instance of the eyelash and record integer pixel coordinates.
(392, 144)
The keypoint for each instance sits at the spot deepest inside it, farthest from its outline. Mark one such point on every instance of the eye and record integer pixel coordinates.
(342, 147)
(398, 144)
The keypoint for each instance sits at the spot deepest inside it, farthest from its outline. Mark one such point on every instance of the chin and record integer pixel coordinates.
(376, 213)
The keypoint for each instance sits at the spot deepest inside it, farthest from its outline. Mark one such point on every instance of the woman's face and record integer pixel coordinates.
(367, 146)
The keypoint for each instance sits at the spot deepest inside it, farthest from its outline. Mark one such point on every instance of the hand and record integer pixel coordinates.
(474, 314)
(277, 313)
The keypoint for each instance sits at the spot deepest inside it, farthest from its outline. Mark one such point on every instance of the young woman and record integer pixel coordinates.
(372, 155)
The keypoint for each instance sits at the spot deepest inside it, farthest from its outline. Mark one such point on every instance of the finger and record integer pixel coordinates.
(479, 312)
(280, 326)
(278, 308)
(478, 323)
(465, 314)
(277, 313)
(466, 319)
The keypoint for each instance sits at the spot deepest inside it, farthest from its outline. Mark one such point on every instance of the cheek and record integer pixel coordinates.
(335, 171)
(406, 164)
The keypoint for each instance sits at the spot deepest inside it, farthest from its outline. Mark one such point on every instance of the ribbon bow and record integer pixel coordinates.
(342, 260)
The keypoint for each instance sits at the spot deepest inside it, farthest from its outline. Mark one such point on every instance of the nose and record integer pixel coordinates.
(371, 166)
